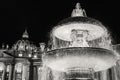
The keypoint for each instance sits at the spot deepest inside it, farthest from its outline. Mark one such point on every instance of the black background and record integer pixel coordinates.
(39, 17)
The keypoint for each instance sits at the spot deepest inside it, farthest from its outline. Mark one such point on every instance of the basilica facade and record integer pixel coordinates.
(22, 61)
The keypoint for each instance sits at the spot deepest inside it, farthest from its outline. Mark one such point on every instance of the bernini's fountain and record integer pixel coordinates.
(80, 49)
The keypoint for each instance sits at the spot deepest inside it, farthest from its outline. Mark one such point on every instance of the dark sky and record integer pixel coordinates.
(39, 17)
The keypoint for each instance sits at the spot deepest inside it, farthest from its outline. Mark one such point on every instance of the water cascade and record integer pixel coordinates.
(81, 49)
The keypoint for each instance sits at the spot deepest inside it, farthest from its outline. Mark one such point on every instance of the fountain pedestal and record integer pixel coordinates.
(79, 74)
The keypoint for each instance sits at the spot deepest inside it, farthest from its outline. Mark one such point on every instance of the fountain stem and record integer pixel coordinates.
(79, 38)
(80, 74)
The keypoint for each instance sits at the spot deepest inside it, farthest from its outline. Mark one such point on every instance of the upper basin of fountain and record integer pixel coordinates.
(94, 27)
(85, 57)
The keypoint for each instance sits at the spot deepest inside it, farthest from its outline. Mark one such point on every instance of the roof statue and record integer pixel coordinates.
(25, 34)
(78, 11)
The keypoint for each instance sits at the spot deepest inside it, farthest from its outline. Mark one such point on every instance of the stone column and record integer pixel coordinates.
(10, 72)
(35, 74)
(114, 73)
(104, 75)
(31, 70)
(4, 71)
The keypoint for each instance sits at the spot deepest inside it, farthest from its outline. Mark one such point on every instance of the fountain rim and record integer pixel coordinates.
(82, 48)
(80, 19)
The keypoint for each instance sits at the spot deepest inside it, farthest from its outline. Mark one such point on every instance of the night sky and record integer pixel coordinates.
(39, 17)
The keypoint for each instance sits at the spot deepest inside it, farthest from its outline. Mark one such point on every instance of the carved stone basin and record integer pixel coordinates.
(82, 57)
(94, 27)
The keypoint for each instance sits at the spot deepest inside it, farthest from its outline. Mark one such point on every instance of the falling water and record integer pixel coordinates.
(102, 42)
(49, 74)
(79, 38)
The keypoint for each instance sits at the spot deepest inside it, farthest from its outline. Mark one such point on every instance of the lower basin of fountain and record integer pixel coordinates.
(83, 57)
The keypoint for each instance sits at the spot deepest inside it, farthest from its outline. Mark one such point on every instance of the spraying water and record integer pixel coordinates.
(81, 32)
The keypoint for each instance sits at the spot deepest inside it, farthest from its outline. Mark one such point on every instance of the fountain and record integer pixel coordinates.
(81, 46)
